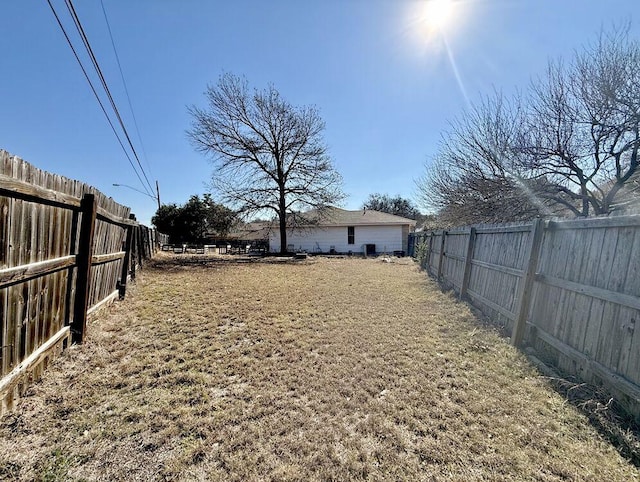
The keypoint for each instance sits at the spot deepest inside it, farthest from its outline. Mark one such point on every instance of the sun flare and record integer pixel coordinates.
(438, 13)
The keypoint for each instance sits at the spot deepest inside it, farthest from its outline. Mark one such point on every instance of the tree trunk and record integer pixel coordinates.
(282, 215)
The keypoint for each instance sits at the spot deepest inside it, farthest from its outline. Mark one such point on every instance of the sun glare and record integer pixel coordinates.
(438, 13)
(434, 24)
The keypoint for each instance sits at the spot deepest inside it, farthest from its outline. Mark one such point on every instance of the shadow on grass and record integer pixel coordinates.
(172, 262)
(604, 413)
(607, 416)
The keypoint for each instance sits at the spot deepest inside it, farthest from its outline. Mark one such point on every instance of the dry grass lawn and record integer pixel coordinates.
(325, 369)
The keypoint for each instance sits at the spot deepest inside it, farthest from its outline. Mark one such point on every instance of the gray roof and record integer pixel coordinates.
(254, 230)
(332, 216)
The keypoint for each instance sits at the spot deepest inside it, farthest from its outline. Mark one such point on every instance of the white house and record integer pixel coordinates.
(341, 231)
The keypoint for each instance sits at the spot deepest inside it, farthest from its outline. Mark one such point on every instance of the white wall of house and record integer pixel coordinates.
(386, 238)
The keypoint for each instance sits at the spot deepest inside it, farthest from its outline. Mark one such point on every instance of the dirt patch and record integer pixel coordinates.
(318, 369)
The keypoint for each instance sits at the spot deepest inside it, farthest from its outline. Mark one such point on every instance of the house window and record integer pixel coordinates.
(351, 235)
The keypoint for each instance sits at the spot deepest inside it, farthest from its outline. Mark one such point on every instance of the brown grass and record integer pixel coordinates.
(326, 369)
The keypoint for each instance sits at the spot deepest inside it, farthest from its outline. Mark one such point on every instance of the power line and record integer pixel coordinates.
(124, 83)
(94, 60)
(104, 111)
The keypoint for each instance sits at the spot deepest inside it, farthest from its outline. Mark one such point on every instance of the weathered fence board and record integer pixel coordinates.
(10, 276)
(497, 267)
(570, 288)
(51, 275)
(454, 257)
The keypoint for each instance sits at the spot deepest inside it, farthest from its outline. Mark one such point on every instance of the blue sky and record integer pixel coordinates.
(385, 85)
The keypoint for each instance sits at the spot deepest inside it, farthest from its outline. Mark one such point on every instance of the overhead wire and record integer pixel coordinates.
(124, 83)
(95, 93)
(96, 65)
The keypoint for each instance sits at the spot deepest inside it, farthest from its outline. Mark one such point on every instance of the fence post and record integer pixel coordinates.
(134, 251)
(73, 249)
(441, 257)
(124, 273)
(526, 284)
(429, 251)
(88, 208)
(148, 242)
(145, 242)
(140, 246)
(467, 263)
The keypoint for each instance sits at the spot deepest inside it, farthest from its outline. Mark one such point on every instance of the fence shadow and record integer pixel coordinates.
(567, 289)
(607, 416)
(605, 413)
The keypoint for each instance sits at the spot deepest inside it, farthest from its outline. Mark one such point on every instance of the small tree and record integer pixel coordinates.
(398, 205)
(268, 154)
(165, 220)
(219, 218)
(192, 221)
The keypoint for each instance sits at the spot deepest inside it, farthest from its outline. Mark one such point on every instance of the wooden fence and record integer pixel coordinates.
(65, 250)
(568, 289)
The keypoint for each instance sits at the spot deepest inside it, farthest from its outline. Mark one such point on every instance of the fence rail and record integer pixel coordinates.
(65, 249)
(569, 289)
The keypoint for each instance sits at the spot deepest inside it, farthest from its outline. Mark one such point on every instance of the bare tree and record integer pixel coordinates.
(583, 126)
(478, 174)
(268, 154)
(568, 148)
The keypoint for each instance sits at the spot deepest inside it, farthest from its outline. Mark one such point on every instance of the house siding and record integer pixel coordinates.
(386, 238)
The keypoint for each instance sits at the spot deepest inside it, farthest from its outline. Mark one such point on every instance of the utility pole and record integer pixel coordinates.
(158, 193)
